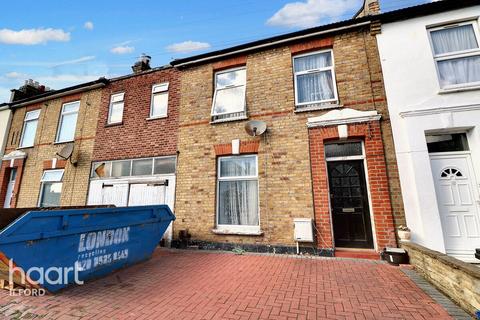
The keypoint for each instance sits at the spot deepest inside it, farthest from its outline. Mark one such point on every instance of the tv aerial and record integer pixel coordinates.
(255, 128)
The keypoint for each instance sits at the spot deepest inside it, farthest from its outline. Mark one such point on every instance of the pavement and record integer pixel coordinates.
(181, 284)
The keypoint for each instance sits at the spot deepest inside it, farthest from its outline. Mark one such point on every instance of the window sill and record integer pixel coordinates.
(114, 124)
(225, 231)
(316, 107)
(26, 147)
(460, 89)
(63, 142)
(229, 120)
(156, 118)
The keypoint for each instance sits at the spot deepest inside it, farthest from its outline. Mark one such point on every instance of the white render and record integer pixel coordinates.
(418, 106)
(5, 119)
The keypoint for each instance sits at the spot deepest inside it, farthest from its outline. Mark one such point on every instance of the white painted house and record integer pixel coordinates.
(430, 58)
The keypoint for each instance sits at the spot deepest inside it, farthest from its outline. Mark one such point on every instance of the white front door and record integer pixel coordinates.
(458, 201)
(10, 187)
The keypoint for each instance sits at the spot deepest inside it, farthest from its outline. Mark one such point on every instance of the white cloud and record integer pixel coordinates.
(74, 61)
(47, 64)
(15, 75)
(122, 49)
(88, 25)
(188, 46)
(310, 13)
(33, 36)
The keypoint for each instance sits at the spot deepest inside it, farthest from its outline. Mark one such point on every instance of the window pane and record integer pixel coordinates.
(51, 193)
(232, 78)
(454, 39)
(101, 169)
(160, 87)
(447, 142)
(29, 132)
(32, 115)
(343, 149)
(458, 71)
(142, 167)
(164, 165)
(315, 87)
(229, 100)
(121, 168)
(159, 104)
(52, 175)
(67, 127)
(239, 166)
(116, 112)
(238, 203)
(314, 61)
(71, 107)
(117, 97)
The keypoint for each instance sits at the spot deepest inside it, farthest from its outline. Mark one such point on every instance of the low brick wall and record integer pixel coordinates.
(457, 279)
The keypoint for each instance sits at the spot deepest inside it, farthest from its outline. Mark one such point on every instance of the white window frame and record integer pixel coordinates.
(238, 229)
(42, 183)
(116, 102)
(60, 122)
(130, 174)
(457, 54)
(213, 113)
(296, 74)
(163, 89)
(25, 121)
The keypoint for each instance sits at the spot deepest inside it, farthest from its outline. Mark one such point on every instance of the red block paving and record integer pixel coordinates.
(204, 285)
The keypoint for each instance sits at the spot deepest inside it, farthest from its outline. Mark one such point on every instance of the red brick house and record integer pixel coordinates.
(134, 158)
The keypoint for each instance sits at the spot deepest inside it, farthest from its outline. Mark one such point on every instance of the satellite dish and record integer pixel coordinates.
(66, 151)
(255, 128)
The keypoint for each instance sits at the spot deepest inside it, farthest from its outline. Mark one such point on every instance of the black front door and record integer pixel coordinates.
(349, 204)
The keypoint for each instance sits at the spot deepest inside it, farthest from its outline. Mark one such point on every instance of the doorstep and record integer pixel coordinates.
(368, 254)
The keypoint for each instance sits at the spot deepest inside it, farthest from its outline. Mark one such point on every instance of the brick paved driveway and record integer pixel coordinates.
(203, 285)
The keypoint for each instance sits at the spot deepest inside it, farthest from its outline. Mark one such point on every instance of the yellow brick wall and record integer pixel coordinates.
(285, 188)
(75, 181)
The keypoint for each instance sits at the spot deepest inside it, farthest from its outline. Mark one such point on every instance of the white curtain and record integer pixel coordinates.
(460, 70)
(454, 39)
(316, 86)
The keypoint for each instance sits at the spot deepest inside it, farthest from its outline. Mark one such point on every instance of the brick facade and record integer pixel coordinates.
(285, 172)
(39, 157)
(137, 136)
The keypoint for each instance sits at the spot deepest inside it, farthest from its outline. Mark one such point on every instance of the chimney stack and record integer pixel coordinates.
(369, 8)
(143, 64)
(29, 89)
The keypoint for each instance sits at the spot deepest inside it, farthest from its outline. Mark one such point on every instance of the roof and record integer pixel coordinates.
(131, 75)
(391, 16)
(55, 93)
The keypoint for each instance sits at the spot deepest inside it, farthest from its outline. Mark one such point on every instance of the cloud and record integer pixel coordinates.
(48, 64)
(310, 13)
(187, 46)
(88, 25)
(33, 36)
(74, 61)
(15, 75)
(122, 49)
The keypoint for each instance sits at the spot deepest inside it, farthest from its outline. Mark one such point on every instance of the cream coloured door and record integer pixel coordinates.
(458, 201)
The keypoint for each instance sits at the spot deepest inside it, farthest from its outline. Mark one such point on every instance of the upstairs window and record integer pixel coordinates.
(68, 122)
(115, 111)
(314, 78)
(29, 128)
(51, 188)
(229, 97)
(457, 54)
(159, 105)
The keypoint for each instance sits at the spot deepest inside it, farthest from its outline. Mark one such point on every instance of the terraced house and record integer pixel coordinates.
(326, 160)
(50, 144)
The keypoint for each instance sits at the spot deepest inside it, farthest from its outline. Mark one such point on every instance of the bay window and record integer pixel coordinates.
(29, 128)
(159, 104)
(51, 188)
(229, 97)
(237, 194)
(314, 78)
(68, 122)
(115, 110)
(456, 52)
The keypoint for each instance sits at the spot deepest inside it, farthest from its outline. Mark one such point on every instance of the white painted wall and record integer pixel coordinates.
(417, 105)
(5, 119)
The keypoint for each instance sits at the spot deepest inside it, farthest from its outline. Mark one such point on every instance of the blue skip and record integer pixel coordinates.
(54, 248)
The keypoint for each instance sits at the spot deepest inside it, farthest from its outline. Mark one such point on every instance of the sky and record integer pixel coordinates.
(63, 43)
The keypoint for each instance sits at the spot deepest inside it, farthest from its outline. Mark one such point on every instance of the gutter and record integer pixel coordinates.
(58, 95)
(270, 44)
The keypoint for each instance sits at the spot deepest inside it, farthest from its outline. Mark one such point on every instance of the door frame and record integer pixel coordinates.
(473, 180)
(363, 158)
